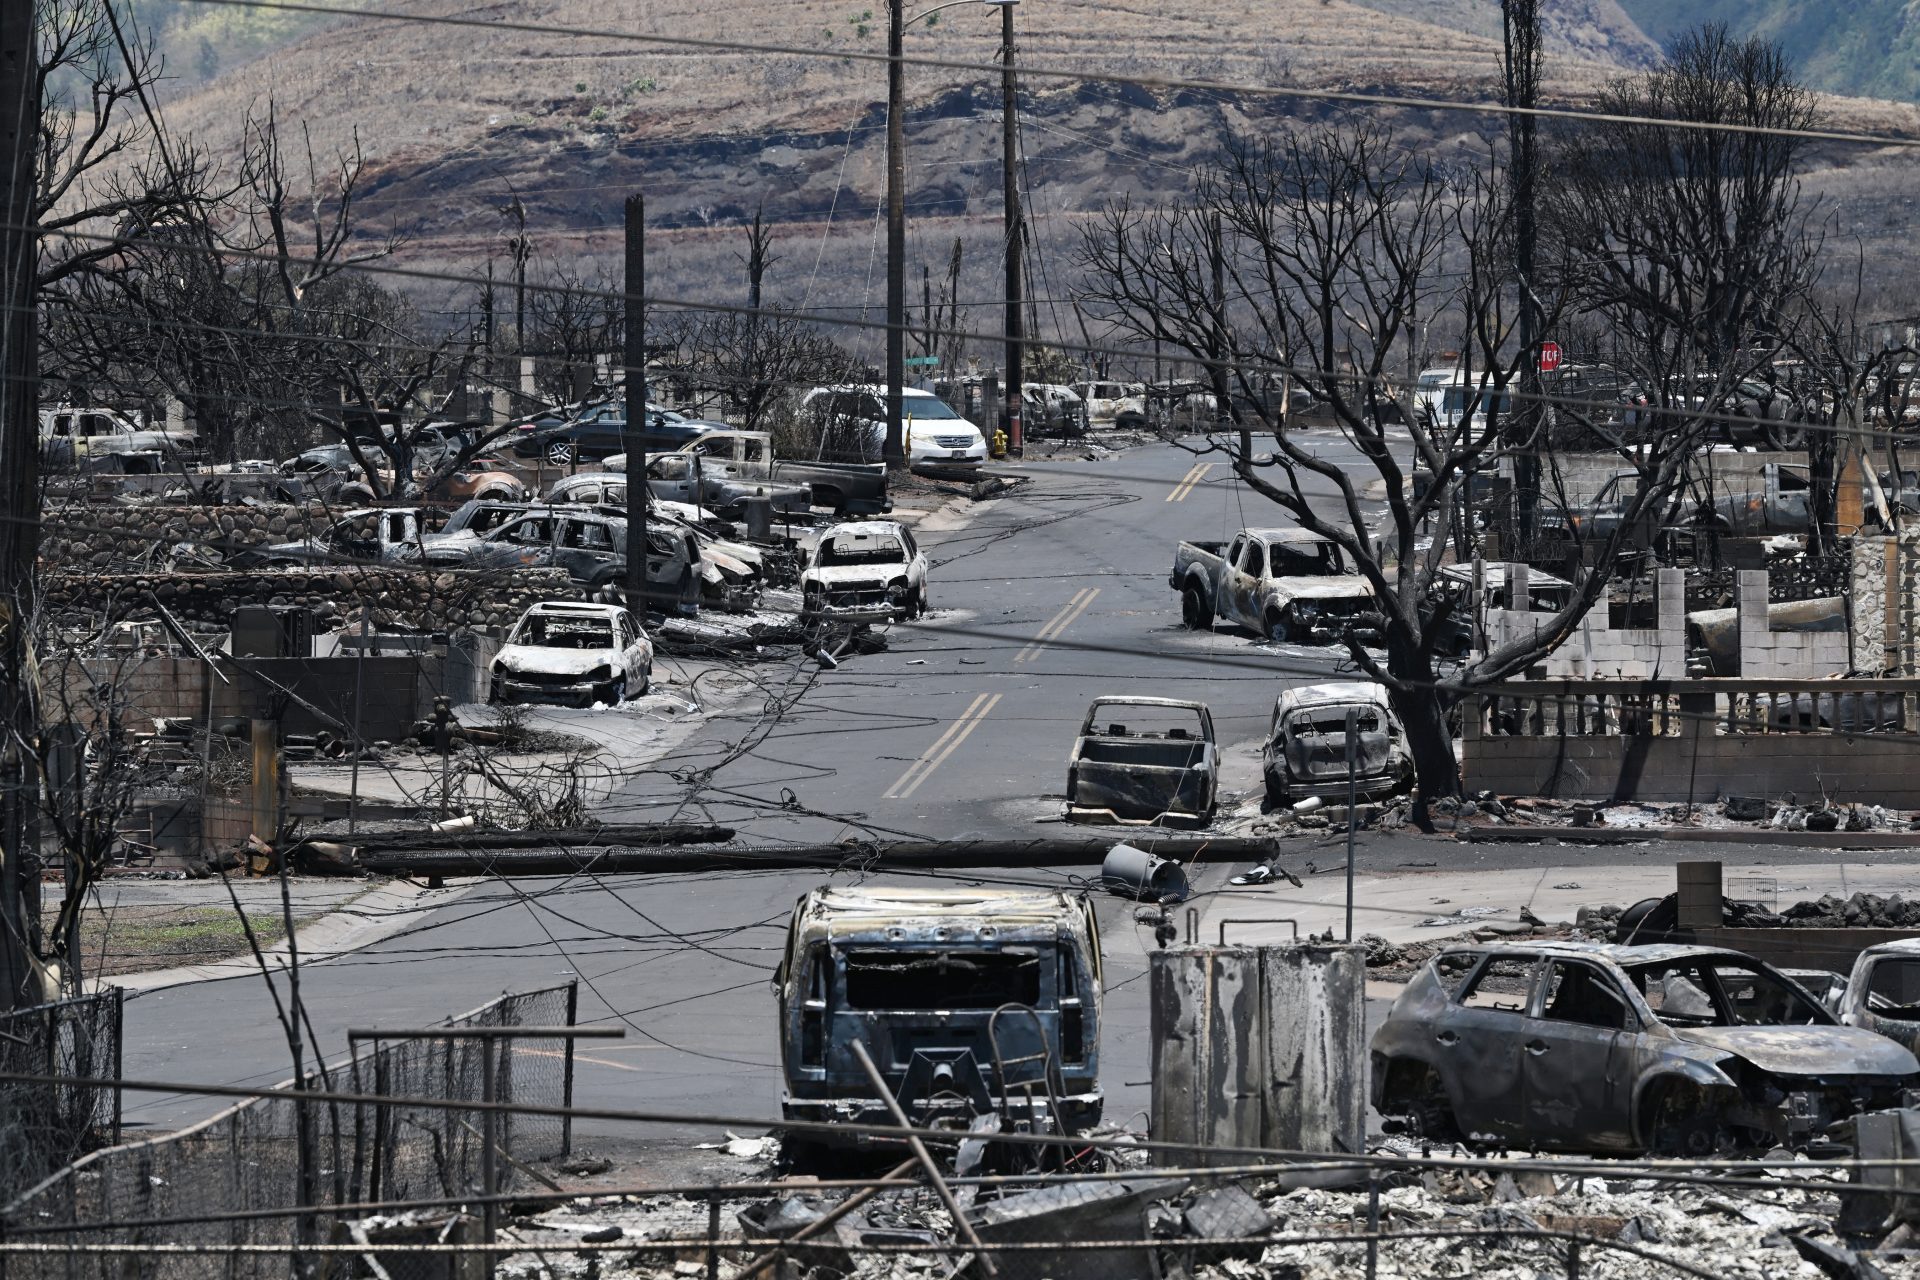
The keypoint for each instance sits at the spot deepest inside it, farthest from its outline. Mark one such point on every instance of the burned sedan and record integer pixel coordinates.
(1674, 1050)
(970, 1001)
(1306, 749)
(1144, 762)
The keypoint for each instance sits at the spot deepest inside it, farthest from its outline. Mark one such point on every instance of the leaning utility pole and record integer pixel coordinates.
(894, 451)
(1010, 183)
(634, 357)
(1521, 61)
(19, 508)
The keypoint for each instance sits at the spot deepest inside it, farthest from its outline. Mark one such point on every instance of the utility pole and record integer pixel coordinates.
(1010, 183)
(634, 356)
(1521, 59)
(1217, 338)
(894, 451)
(19, 509)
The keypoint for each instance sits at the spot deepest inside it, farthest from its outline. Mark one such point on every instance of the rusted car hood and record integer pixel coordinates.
(1807, 1051)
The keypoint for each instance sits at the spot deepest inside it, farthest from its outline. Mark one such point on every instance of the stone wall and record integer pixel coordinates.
(1885, 603)
(105, 536)
(1599, 651)
(404, 599)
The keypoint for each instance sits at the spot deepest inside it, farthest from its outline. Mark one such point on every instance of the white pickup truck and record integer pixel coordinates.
(1285, 584)
(68, 436)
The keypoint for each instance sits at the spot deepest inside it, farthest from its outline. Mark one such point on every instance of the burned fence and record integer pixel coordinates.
(1692, 741)
(241, 1181)
(45, 1126)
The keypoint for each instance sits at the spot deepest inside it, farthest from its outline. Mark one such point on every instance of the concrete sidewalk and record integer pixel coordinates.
(1420, 905)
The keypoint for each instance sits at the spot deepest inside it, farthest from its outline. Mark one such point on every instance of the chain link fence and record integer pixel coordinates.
(200, 1187)
(46, 1126)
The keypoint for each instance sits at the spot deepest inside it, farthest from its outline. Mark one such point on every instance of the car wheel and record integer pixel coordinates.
(1784, 435)
(916, 604)
(1194, 610)
(1682, 1123)
(617, 692)
(561, 453)
(1276, 627)
(494, 694)
(1424, 1102)
(646, 682)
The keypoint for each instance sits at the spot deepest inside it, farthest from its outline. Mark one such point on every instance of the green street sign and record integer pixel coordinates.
(923, 360)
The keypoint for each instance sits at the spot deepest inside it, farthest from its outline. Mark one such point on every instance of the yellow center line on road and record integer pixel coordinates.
(944, 746)
(1193, 477)
(1058, 624)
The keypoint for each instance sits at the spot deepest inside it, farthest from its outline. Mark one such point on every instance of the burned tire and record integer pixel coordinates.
(1681, 1123)
(1195, 612)
(1276, 628)
(1422, 1099)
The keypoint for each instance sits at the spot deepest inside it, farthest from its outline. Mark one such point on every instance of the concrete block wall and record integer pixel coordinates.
(1795, 655)
(1599, 651)
(1583, 475)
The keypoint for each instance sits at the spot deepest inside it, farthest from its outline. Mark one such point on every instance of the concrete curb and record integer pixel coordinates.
(373, 916)
(1693, 835)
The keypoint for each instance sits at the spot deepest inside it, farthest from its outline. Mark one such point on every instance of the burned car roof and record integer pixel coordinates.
(1313, 695)
(1624, 956)
(1286, 535)
(935, 915)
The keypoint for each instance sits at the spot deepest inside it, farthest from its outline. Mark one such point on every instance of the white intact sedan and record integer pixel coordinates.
(573, 653)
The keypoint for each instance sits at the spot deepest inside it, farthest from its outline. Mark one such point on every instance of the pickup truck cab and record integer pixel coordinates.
(864, 571)
(1284, 584)
(716, 484)
(971, 1002)
(1144, 762)
(69, 436)
(745, 458)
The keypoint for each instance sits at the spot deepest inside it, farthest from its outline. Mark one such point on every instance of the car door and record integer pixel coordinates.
(1477, 1045)
(1224, 588)
(1248, 574)
(585, 547)
(1575, 1059)
(671, 477)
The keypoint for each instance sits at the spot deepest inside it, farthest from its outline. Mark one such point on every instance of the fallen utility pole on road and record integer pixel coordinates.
(604, 854)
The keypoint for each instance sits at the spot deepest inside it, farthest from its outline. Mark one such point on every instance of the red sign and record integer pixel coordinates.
(1549, 356)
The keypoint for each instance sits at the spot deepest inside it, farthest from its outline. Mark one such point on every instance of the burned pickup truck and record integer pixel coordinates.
(1670, 1049)
(1144, 762)
(972, 1003)
(1284, 584)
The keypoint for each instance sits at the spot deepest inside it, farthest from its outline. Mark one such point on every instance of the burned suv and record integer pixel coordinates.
(971, 1002)
(1675, 1050)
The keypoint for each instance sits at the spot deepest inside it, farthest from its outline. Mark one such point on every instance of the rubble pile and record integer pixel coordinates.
(1445, 1220)
(398, 597)
(1861, 910)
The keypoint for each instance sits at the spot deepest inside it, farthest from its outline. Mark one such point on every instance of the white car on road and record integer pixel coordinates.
(865, 571)
(573, 653)
(936, 435)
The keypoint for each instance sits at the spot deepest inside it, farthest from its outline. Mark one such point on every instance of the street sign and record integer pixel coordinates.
(1549, 356)
(921, 360)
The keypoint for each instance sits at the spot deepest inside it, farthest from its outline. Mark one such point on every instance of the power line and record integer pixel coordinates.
(1101, 77)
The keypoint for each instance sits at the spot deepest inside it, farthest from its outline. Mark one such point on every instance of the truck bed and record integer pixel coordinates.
(1141, 780)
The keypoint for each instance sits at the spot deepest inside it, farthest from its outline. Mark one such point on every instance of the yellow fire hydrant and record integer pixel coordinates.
(999, 442)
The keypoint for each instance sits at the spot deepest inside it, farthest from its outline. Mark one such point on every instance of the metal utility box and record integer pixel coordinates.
(1259, 1047)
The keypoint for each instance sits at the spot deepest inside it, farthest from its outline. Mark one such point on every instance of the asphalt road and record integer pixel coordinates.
(1043, 599)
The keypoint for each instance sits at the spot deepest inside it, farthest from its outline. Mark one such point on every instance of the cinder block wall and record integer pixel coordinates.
(1596, 650)
(1796, 655)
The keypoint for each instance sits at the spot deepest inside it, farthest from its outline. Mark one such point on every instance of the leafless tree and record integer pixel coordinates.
(1331, 244)
(576, 318)
(756, 361)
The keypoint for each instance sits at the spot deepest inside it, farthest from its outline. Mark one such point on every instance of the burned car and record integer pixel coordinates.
(1882, 994)
(1669, 1049)
(1306, 750)
(971, 1002)
(1144, 762)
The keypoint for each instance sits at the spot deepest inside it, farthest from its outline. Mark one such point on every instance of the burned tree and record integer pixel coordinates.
(1331, 243)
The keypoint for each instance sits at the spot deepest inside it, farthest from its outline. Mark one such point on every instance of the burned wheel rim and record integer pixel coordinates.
(1193, 610)
(1277, 629)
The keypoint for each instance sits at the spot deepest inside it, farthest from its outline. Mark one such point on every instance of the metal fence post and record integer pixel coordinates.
(489, 1175)
(119, 1072)
(1373, 1223)
(1573, 1260)
(566, 1084)
(713, 1237)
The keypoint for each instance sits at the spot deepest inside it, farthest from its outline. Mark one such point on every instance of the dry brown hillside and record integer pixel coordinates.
(454, 118)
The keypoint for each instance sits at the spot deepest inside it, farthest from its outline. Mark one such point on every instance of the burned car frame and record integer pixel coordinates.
(1148, 769)
(970, 1001)
(1675, 1050)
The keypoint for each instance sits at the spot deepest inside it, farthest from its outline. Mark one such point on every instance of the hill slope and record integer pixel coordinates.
(1864, 48)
